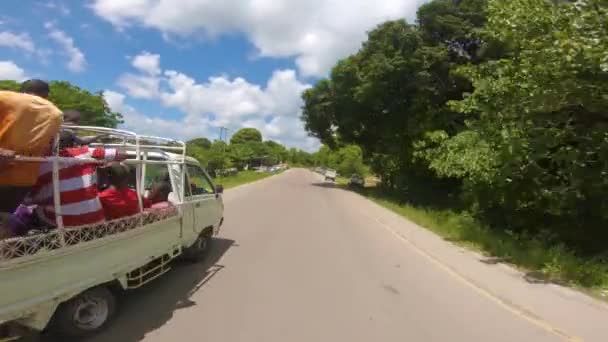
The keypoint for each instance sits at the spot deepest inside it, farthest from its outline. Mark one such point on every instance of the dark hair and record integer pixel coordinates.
(67, 139)
(160, 191)
(118, 175)
(36, 87)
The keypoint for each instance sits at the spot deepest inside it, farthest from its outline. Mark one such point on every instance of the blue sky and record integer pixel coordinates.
(183, 68)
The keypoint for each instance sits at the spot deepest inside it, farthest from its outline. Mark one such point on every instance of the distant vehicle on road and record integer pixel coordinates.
(330, 175)
(356, 180)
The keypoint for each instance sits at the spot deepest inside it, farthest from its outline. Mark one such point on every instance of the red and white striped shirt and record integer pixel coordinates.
(80, 204)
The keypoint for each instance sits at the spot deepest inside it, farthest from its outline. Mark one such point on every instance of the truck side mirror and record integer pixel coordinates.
(219, 189)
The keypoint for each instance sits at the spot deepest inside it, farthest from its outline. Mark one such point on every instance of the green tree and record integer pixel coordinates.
(304, 158)
(350, 161)
(92, 106)
(534, 148)
(217, 157)
(9, 85)
(347, 160)
(246, 135)
(199, 148)
(241, 155)
(275, 152)
(203, 143)
(396, 89)
(504, 101)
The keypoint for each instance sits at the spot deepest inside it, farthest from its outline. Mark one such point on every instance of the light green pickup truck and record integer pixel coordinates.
(65, 279)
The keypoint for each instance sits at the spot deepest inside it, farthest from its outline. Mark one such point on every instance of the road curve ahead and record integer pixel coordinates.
(299, 260)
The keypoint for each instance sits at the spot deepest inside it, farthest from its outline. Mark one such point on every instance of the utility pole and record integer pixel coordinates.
(224, 134)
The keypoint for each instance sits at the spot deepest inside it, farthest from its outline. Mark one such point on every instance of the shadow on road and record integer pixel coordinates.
(146, 309)
(326, 185)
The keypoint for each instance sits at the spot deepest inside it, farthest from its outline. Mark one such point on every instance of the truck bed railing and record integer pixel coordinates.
(19, 249)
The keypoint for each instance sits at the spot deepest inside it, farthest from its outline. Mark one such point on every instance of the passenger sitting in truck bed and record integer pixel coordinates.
(119, 200)
(28, 125)
(80, 204)
(159, 195)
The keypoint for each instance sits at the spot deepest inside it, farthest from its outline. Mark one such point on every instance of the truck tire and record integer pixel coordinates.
(85, 314)
(199, 249)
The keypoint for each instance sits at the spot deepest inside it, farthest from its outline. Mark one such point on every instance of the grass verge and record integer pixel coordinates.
(543, 262)
(241, 178)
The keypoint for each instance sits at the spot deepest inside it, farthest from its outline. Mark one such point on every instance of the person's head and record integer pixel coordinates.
(36, 87)
(67, 139)
(71, 117)
(118, 175)
(160, 192)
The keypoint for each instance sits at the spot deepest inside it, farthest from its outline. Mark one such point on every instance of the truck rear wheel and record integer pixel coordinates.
(84, 314)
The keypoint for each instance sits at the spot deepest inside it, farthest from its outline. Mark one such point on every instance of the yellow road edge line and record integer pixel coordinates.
(513, 308)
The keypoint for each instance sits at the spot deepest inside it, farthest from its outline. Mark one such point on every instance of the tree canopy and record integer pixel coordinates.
(203, 143)
(500, 102)
(347, 160)
(246, 135)
(246, 149)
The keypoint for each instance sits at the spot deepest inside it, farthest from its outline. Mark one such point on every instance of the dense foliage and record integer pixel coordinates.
(347, 160)
(92, 106)
(503, 103)
(246, 135)
(246, 150)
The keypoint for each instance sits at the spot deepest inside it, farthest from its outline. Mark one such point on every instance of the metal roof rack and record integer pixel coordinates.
(133, 140)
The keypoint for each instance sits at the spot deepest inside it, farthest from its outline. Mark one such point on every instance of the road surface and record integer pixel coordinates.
(298, 260)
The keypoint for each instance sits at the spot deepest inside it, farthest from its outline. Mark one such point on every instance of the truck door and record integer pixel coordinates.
(207, 206)
(187, 211)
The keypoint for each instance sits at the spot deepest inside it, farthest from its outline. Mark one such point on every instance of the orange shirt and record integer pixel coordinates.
(28, 125)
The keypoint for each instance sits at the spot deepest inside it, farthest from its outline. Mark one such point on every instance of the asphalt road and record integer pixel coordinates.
(299, 260)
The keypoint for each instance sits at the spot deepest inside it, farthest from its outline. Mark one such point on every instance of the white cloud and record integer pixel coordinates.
(189, 127)
(140, 86)
(316, 32)
(116, 101)
(235, 99)
(235, 103)
(147, 62)
(11, 71)
(76, 59)
(146, 84)
(58, 6)
(17, 40)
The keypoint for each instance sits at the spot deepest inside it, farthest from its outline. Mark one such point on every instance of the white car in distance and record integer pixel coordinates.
(330, 175)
